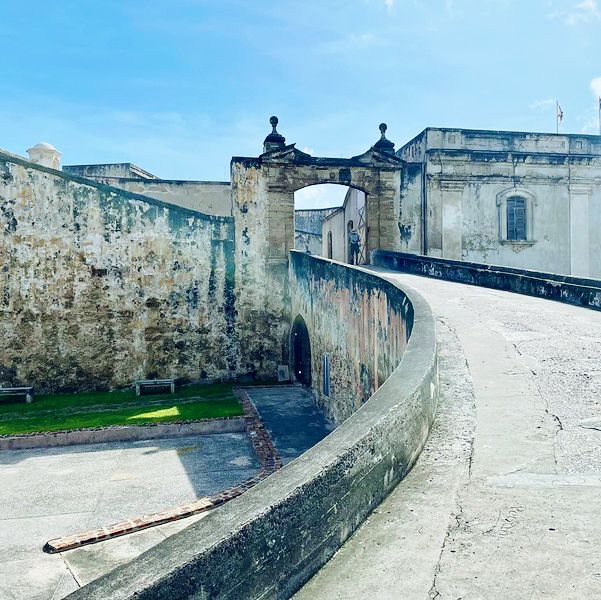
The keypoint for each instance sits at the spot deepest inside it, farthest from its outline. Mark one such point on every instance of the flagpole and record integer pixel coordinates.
(556, 116)
(599, 115)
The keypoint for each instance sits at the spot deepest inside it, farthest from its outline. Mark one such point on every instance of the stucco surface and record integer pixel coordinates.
(360, 322)
(516, 516)
(209, 197)
(455, 182)
(100, 287)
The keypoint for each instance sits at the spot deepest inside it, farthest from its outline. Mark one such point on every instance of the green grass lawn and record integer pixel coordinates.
(53, 412)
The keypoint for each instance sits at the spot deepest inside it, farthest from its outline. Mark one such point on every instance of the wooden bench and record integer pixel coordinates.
(153, 384)
(18, 391)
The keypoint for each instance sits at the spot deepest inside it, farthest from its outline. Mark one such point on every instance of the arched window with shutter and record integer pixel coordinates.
(516, 217)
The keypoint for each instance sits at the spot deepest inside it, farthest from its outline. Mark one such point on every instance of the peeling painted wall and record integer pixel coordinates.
(362, 327)
(101, 287)
(456, 200)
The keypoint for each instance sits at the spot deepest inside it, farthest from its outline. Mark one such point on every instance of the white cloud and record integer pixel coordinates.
(582, 12)
(389, 4)
(596, 86)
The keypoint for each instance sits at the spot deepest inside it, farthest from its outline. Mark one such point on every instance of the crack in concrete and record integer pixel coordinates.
(456, 517)
(555, 418)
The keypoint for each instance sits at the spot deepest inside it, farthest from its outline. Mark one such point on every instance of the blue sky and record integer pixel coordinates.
(179, 87)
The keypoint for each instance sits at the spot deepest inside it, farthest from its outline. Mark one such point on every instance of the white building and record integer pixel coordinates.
(527, 200)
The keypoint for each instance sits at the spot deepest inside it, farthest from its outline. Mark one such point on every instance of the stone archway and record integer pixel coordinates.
(300, 352)
(262, 191)
(268, 184)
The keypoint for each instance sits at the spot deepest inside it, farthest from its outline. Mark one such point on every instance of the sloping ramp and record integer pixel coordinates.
(516, 515)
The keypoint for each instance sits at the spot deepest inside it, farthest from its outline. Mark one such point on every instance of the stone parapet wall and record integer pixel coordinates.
(208, 197)
(270, 541)
(580, 291)
(100, 287)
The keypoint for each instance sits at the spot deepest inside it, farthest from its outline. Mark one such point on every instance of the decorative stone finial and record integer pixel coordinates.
(46, 155)
(274, 140)
(383, 144)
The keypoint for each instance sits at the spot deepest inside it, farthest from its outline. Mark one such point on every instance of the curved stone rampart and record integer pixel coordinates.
(580, 291)
(271, 540)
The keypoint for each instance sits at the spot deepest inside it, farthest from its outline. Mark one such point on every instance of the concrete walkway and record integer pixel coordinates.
(49, 492)
(294, 420)
(505, 502)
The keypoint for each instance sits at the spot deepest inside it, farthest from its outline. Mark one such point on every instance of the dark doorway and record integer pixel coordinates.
(301, 352)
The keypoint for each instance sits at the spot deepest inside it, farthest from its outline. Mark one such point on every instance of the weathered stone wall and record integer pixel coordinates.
(101, 287)
(310, 219)
(307, 229)
(457, 200)
(101, 172)
(580, 291)
(307, 242)
(263, 210)
(360, 325)
(270, 541)
(208, 197)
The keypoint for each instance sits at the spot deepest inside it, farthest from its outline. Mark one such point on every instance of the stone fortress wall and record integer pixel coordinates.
(101, 287)
(354, 325)
(308, 229)
(270, 541)
(209, 197)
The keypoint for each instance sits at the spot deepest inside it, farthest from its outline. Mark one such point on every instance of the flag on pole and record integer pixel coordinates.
(559, 116)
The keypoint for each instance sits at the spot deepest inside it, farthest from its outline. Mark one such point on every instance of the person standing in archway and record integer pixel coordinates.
(355, 244)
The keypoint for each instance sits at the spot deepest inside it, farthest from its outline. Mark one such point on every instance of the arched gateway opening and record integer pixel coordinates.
(300, 355)
(263, 191)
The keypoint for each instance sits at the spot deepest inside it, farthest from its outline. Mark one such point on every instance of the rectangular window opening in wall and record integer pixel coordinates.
(326, 375)
(516, 218)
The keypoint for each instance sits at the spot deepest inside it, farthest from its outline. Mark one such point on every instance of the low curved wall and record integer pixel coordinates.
(270, 541)
(580, 291)
(361, 324)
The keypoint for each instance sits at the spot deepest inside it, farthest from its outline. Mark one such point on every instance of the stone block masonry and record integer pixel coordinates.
(100, 287)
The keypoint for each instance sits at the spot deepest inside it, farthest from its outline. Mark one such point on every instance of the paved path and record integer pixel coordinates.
(293, 419)
(46, 493)
(505, 502)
